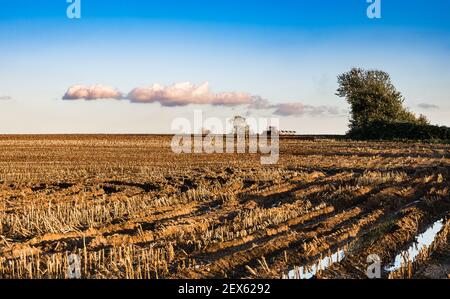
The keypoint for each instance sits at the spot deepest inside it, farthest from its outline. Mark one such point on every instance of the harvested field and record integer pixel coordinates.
(130, 208)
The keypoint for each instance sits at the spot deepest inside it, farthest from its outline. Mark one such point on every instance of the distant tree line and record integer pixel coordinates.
(377, 111)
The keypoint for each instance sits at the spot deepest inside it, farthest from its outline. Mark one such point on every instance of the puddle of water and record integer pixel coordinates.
(309, 271)
(421, 242)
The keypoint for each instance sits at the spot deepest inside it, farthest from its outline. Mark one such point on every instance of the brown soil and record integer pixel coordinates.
(130, 208)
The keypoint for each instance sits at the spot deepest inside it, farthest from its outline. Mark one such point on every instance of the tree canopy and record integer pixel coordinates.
(373, 98)
(377, 110)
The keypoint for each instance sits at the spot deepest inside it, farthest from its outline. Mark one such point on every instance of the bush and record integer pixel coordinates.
(380, 130)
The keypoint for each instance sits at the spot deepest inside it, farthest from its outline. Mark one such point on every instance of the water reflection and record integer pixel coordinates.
(309, 271)
(421, 242)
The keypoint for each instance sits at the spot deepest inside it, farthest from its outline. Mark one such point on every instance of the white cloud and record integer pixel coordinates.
(427, 106)
(78, 92)
(299, 109)
(186, 93)
(181, 94)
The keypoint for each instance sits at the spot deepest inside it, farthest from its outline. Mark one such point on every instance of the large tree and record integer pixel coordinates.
(373, 98)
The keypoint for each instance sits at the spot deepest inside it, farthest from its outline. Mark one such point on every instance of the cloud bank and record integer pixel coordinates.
(427, 106)
(298, 109)
(182, 94)
(186, 93)
(78, 92)
(5, 98)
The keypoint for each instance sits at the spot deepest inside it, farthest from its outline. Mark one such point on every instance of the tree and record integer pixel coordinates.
(373, 98)
(240, 125)
(205, 131)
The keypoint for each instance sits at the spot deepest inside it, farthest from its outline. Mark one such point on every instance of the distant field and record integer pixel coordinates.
(130, 208)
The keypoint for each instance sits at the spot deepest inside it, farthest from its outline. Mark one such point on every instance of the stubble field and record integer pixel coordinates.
(130, 208)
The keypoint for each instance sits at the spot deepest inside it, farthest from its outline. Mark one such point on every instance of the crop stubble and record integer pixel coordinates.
(130, 208)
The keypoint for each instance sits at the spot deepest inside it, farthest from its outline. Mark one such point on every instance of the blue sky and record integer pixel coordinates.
(281, 51)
